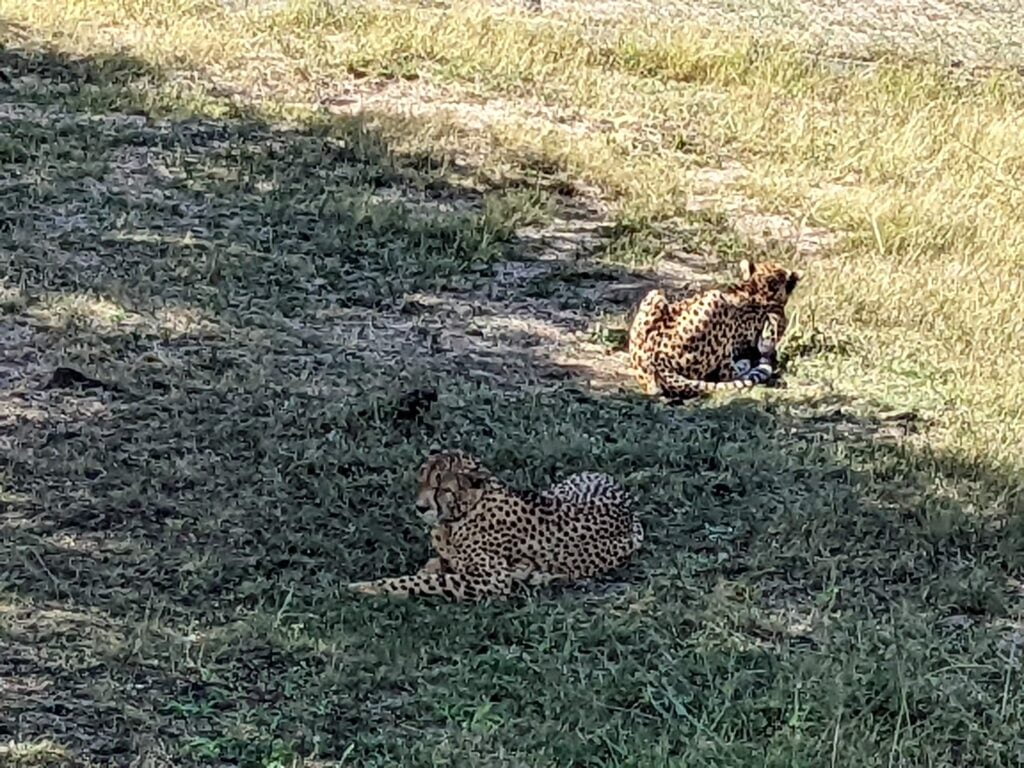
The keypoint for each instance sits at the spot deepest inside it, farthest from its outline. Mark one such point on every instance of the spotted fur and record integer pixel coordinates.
(489, 537)
(702, 343)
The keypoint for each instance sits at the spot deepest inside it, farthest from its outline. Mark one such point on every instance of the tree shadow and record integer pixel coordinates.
(175, 546)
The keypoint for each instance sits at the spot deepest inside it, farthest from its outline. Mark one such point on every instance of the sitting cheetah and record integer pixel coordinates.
(701, 344)
(488, 537)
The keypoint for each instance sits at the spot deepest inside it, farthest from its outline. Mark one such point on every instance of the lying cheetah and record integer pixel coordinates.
(489, 537)
(701, 344)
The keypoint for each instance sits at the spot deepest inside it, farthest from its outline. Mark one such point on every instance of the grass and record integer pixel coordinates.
(197, 215)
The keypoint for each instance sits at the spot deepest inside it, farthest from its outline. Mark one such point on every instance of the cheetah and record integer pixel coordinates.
(703, 343)
(489, 538)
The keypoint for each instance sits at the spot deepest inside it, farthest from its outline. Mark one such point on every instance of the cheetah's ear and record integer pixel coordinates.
(473, 480)
(474, 484)
(470, 498)
(792, 280)
(746, 269)
(470, 491)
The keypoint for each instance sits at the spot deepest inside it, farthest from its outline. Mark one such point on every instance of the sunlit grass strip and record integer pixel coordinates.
(919, 167)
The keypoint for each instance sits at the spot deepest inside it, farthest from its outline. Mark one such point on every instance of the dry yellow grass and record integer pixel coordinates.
(917, 166)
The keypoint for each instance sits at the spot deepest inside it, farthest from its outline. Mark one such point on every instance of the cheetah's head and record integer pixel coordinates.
(450, 485)
(770, 280)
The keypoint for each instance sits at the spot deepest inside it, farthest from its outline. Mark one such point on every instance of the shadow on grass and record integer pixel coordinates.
(173, 551)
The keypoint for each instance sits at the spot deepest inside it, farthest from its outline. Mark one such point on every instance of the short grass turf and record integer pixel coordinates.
(831, 576)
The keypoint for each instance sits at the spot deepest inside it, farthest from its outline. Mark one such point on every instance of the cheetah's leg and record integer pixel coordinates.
(674, 383)
(454, 586)
(543, 579)
(771, 335)
(733, 368)
(526, 572)
(652, 313)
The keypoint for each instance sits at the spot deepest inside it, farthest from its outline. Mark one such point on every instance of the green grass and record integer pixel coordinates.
(833, 571)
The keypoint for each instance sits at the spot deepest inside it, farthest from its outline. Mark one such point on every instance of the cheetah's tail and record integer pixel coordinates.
(679, 386)
(637, 533)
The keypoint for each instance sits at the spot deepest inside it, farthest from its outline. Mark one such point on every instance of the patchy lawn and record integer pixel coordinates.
(234, 239)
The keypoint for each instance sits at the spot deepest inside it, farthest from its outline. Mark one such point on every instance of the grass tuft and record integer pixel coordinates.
(243, 233)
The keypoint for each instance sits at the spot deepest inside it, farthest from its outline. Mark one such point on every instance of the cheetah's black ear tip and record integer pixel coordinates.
(476, 479)
(747, 269)
(794, 278)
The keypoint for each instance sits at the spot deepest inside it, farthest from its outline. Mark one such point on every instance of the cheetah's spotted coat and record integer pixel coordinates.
(489, 537)
(697, 345)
